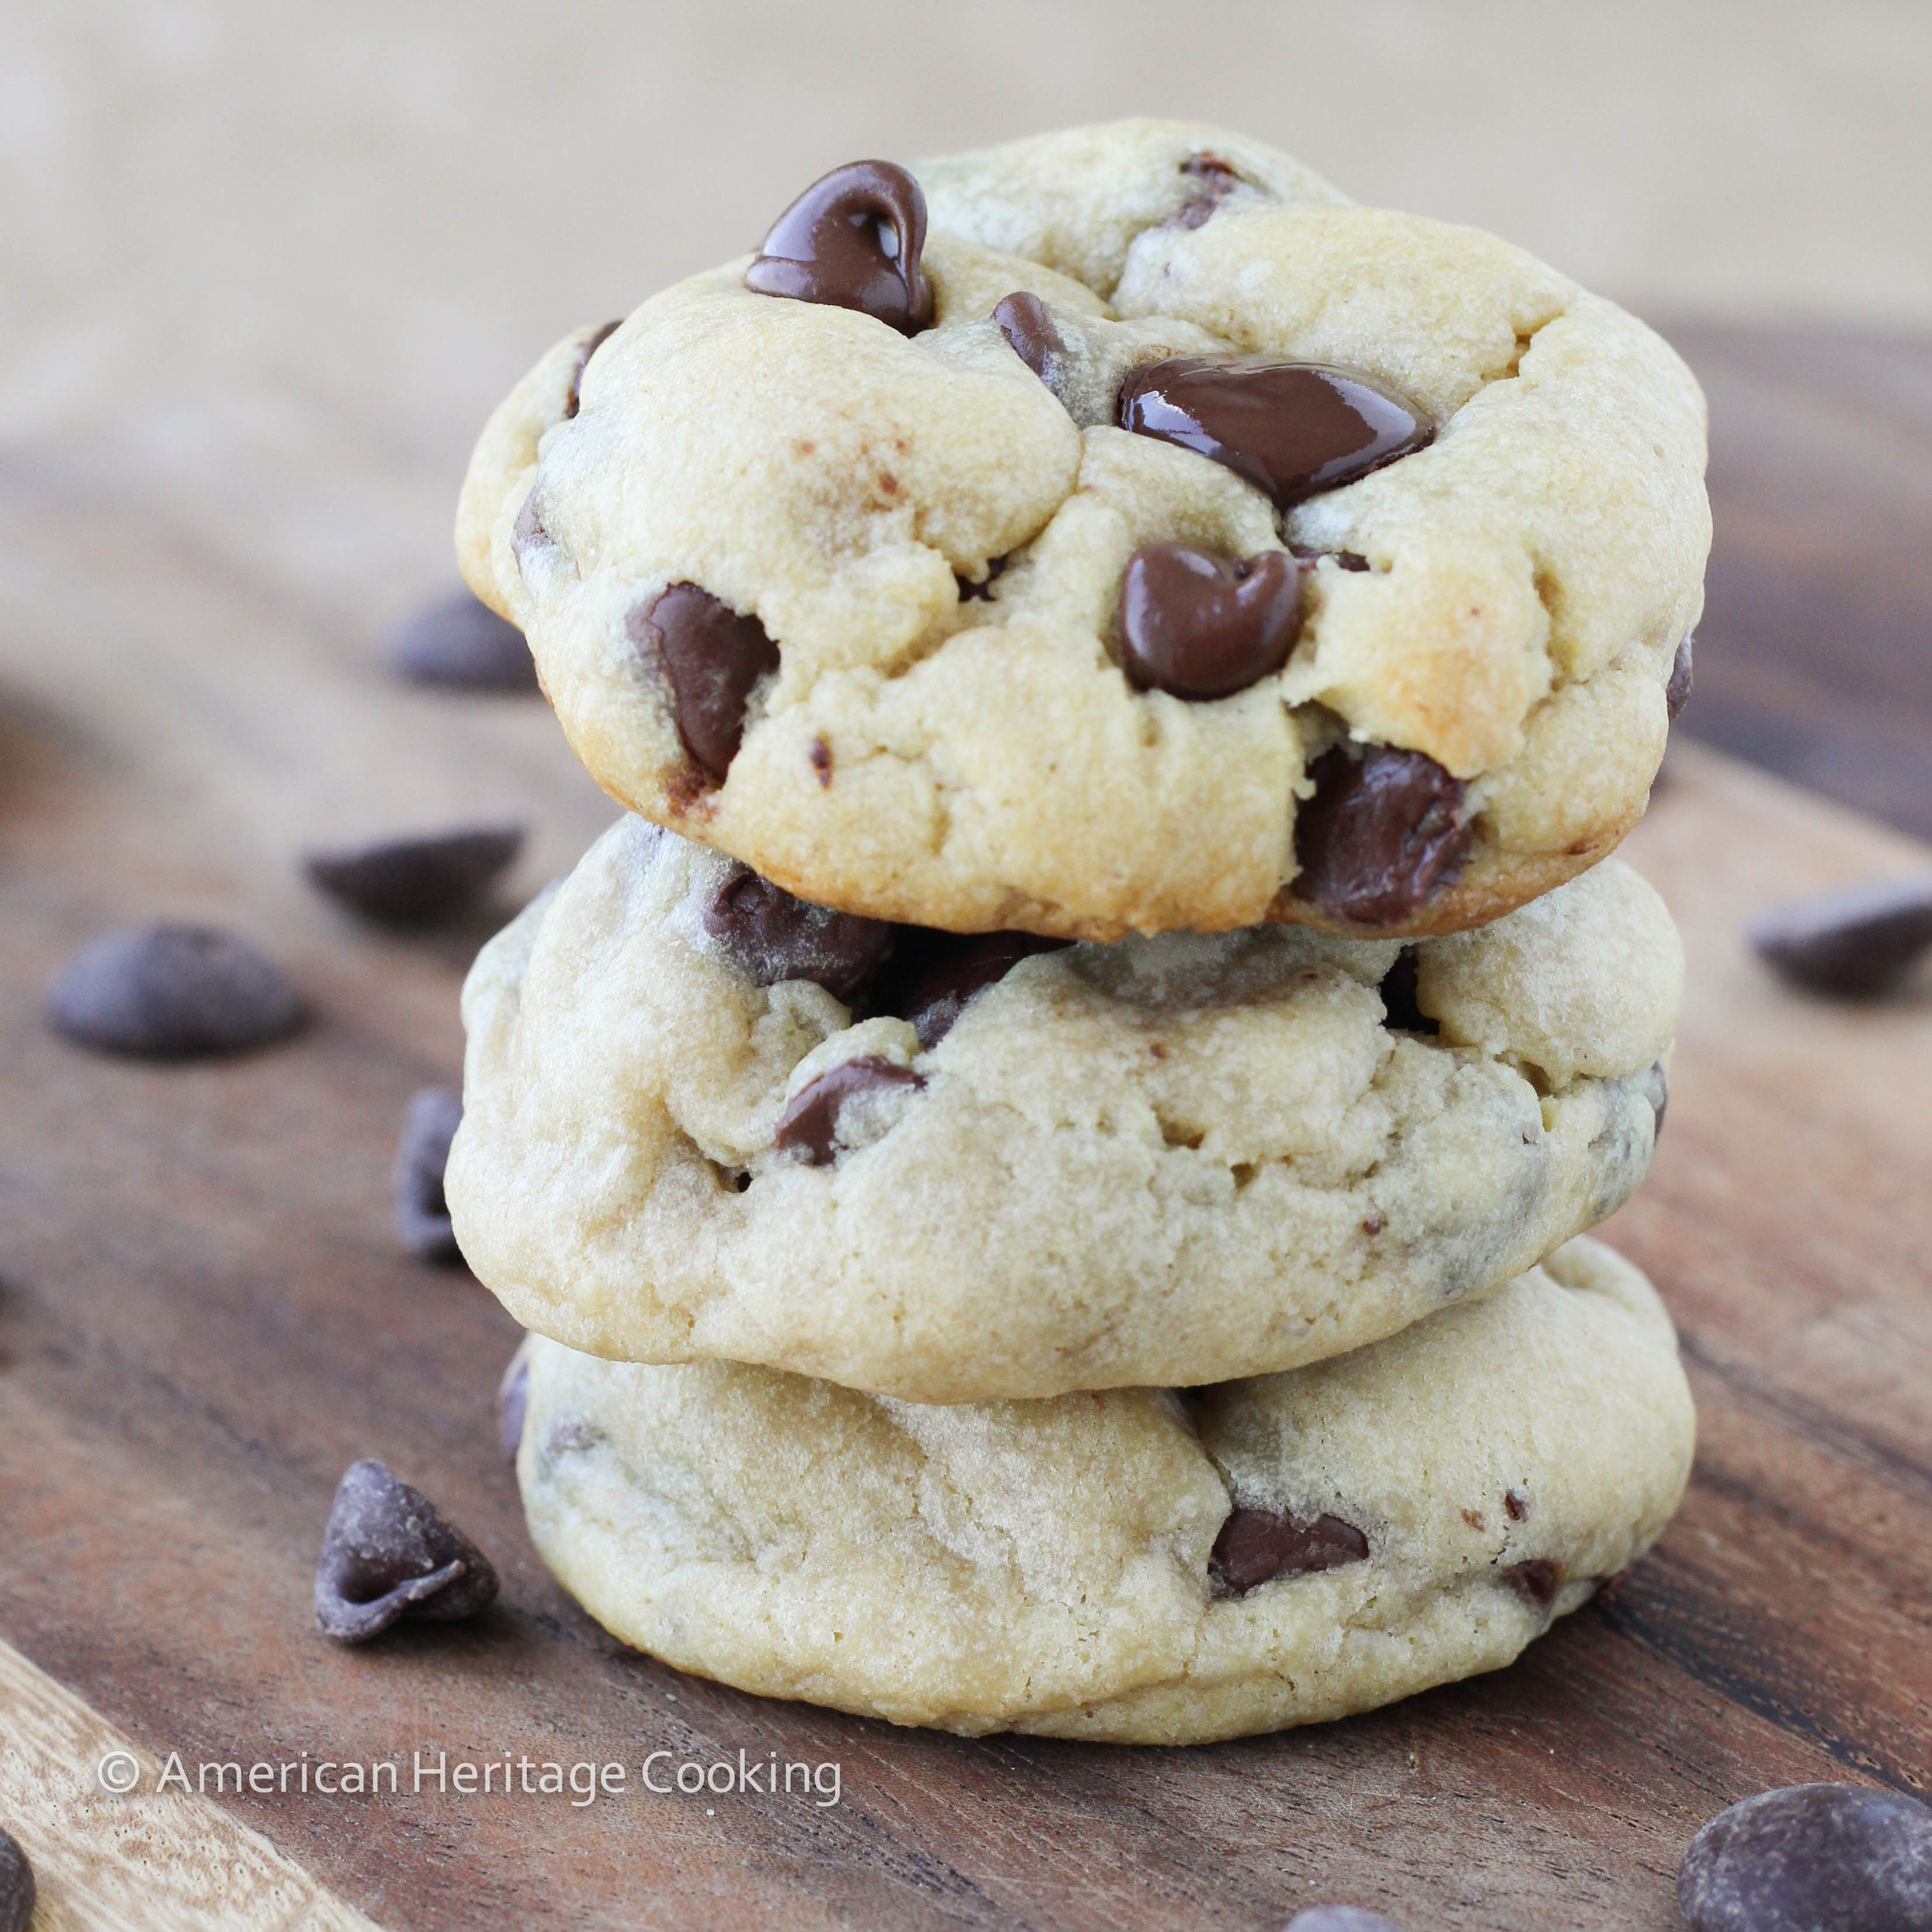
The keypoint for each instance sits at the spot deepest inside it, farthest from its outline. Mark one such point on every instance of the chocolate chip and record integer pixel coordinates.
(933, 975)
(1402, 1010)
(411, 882)
(528, 532)
(1812, 1857)
(775, 936)
(594, 341)
(172, 992)
(1516, 1506)
(852, 239)
(1217, 181)
(1256, 1545)
(459, 643)
(17, 1889)
(1340, 1918)
(1350, 560)
(1855, 944)
(983, 590)
(1027, 323)
(712, 657)
(1536, 1580)
(1677, 692)
(1292, 429)
(422, 1215)
(1202, 626)
(820, 755)
(513, 1404)
(1659, 1084)
(1382, 835)
(810, 1121)
(388, 1554)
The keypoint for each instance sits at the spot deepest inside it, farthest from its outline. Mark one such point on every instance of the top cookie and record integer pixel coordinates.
(1128, 533)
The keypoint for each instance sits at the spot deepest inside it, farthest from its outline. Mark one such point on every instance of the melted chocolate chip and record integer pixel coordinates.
(422, 1214)
(1516, 1506)
(513, 1404)
(387, 1553)
(1201, 626)
(1677, 692)
(459, 643)
(776, 937)
(810, 1121)
(594, 341)
(1027, 323)
(853, 240)
(1340, 1918)
(1215, 180)
(1256, 1545)
(172, 992)
(1812, 1857)
(933, 975)
(1537, 1580)
(18, 1890)
(1402, 1010)
(712, 657)
(1292, 429)
(1855, 944)
(407, 882)
(1382, 835)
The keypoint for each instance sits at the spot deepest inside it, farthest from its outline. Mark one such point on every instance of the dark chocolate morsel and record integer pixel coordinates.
(933, 975)
(1201, 626)
(416, 881)
(1027, 323)
(776, 937)
(1812, 1857)
(1215, 180)
(1660, 1098)
(712, 657)
(853, 240)
(388, 1554)
(18, 1890)
(1516, 1506)
(1677, 692)
(1340, 1918)
(459, 643)
(172, 992)
(810, 1121)
(513, 1404)
(1857, 943)
(422, 1215)
(983, 590)
(1382, 835)
(1537, 1580)
(1402, 1010)
(594, 341)
(1292, 429)
(1257, 1545)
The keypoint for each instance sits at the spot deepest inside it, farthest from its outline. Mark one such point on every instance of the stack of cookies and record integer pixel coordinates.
(1044, 1161)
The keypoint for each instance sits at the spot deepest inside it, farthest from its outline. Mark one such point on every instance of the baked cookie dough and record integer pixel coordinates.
(703, 1119)
(1139, 1567)
(1151, 538)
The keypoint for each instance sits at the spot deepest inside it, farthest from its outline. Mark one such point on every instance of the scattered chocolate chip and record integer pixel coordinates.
(172, 992)
(1382, 835)
(1256, 1545)
(1292, 429)
(1516, 1506)
(712, 657)
(1350, 560)
(933, 975)
(459, 643)
(414, 882)
(1677, 692)
(422, 1215)
(1812, 1857)
(1217, 180)
(1660, 1099)
(983, 590)
(388, 1554)
(852, 239)
(513, 1403)
(1402, 1010)
(776, 937)
(17, 1888)
(1340, 1918)
(810, 1121)
(1201, 626)
(1537, 1580)
(1855, 944)
(820, 755)
(1372, 1223)
(1027, 324)
(593, 343)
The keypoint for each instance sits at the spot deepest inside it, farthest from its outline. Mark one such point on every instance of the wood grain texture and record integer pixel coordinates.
(204, 1318)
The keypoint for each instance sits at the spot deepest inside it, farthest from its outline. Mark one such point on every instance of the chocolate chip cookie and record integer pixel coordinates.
(704, 1118)
(1119, 531)
(1142, 1566)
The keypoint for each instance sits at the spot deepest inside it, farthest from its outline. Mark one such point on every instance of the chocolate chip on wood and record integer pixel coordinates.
(422, 1215)
(387, 1553)
(17, 1888)
(853, 239)
(414, 882)
(459, 642)
(1383, 834)
(172, 992)
(1812, 1857)
(1858, 943)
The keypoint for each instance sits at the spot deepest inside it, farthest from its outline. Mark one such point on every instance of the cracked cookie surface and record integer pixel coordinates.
(703, 1120)
(927, 535)
(1133, 1566)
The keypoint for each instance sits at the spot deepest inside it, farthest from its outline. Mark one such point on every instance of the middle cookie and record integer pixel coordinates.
(705, 1119)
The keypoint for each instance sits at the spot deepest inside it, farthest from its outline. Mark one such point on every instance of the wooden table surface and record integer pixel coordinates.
(204, 1318)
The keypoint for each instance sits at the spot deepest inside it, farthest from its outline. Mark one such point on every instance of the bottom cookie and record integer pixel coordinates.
(1140, 1566)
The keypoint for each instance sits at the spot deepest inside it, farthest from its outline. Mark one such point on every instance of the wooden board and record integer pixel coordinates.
(204, 1318)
